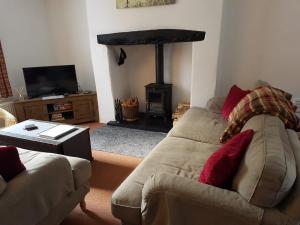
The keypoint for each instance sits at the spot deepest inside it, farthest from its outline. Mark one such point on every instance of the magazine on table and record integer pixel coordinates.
(57, 131)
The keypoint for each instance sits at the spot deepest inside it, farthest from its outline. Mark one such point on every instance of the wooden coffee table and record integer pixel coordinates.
(75, 144)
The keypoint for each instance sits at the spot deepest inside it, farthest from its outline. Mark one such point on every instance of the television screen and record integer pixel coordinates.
(50, 80)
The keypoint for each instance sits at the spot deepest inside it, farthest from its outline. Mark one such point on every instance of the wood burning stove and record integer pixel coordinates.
(159, 100)
(159, 94)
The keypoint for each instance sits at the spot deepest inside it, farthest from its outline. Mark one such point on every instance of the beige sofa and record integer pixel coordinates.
(46, 192)
(164, 188)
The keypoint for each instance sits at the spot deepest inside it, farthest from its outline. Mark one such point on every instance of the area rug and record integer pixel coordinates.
(125, 141)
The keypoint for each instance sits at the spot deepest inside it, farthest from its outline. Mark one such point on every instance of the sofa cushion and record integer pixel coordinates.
(173, 155)
(81, 170)
(2, 185)
(222, 165)
(200, 125)
(233, 98)
(10, 163)
(268, 170)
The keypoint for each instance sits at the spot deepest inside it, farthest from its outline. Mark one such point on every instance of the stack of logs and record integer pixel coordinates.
(130, 109)
(180, 110)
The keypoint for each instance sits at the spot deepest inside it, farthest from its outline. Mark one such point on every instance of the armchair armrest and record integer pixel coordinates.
(170, 199)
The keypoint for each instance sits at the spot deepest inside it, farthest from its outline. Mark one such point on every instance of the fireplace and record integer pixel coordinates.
(158, 111)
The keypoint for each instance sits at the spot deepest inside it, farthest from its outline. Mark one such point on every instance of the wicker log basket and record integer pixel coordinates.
(130, 109)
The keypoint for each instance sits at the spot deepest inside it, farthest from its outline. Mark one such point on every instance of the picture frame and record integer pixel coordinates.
(123, 4)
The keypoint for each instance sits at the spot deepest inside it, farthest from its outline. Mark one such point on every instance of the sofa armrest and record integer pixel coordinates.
(215, 104)
(171, 199)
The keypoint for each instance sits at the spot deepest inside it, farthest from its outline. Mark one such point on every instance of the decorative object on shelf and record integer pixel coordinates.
(62, 106)
(180, 110)
(121, 4)
(19, 91)
(118, 110)
(130, 109)
(57, 117)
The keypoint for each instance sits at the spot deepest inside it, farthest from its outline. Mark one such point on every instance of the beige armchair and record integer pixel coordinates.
(6, 119)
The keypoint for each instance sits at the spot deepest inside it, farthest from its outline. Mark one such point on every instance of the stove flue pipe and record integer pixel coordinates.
(159, 61)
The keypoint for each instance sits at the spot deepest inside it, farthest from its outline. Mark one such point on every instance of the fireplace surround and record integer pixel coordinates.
(158, 94)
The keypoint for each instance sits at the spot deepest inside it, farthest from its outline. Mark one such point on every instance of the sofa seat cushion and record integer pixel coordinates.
(81, 170)
(268, 170)
(31, 195)
(200, 125)
(178, 156)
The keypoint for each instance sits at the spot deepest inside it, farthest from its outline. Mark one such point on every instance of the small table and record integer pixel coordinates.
(75, 144)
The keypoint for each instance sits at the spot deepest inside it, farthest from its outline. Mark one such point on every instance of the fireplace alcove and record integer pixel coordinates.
(158, 116)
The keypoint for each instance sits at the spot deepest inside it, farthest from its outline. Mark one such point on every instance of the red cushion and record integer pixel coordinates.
(222, 165)
(10, 163)
(234, 96)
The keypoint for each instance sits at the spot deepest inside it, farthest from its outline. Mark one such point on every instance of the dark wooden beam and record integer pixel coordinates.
(161, 36)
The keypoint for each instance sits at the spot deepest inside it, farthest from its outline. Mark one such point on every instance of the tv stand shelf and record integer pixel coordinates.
(72, 109)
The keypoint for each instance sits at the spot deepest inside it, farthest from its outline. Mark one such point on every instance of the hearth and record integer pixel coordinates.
(145, 123)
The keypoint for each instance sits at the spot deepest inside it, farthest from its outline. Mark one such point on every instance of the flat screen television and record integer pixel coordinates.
(50, 80)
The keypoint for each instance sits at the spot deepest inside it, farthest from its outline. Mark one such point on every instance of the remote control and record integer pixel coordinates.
(30, 127)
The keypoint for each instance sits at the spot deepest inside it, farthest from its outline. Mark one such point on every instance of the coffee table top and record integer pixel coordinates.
(18, 131)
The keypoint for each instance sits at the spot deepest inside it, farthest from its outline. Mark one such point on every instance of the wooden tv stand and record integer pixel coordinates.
(72, 109)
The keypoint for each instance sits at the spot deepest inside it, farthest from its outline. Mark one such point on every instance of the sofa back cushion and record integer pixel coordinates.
(268, 170)
(2, 185)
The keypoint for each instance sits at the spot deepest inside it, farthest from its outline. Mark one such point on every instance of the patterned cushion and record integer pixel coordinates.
(262, 100)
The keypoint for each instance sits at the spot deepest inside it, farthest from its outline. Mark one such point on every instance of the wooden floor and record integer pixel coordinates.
(109, 170)
(92, 126)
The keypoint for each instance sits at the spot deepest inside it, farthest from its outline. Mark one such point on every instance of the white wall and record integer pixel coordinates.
(129, 80)
(260, 40)
(103, 17)
(45, 32)
(25, 37)
(70, 38)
